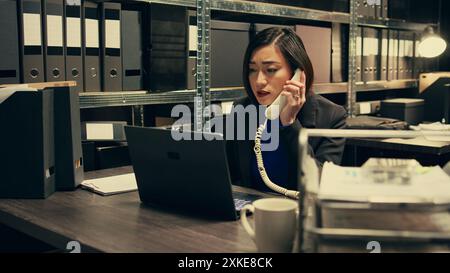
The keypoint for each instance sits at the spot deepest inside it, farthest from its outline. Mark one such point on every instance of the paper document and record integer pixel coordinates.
(112, 184)
(432, 185)
(437, 126)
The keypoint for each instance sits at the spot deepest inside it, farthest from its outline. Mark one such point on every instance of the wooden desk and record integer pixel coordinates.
(425, 151)
(120, 223)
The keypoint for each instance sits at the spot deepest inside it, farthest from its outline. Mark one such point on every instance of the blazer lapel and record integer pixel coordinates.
(308, 113)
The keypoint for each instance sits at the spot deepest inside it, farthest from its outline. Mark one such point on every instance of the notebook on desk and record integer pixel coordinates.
(111, 185)
(188, 175)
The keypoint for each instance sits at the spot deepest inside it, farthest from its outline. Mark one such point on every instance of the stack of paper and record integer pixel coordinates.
(352, 201)
(431, 186)
(112, 184)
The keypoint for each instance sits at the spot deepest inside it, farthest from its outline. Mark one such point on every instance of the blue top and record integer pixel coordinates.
(276, 164)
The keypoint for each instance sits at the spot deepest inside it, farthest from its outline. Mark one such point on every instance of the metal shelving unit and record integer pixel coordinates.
(105, 99)
(289, 12)
(134, 98)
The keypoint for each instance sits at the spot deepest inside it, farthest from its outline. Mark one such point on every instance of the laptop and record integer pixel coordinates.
(189, 175)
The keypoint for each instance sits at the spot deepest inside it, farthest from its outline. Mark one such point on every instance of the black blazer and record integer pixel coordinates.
(317, 112)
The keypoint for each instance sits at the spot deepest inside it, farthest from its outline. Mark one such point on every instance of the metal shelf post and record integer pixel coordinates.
(203, 96)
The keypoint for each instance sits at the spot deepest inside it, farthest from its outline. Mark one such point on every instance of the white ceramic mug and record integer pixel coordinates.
(275, 224)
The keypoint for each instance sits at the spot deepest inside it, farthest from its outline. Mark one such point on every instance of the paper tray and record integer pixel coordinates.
(384, 235)
(362, 241)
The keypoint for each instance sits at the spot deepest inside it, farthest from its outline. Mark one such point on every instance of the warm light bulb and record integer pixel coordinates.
(432, 46)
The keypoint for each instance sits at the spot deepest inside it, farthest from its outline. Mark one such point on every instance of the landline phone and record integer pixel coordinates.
(273, 112)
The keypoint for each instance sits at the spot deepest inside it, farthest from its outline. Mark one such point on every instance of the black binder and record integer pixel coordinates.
(370, 54)
(192, 50)
(191, 72)
(378, 10)
(165, 61)
(73, 45)
(230, 37)
(53, 14)
(376, 53)
(384, 63)
(91, 47)
(401, 55)
(9, 51)
(68, 153)
(359, 55)
(385, 9)
(393, 55)
(339, 51)
(27, 169)
(111, 48)
(317, 42)
(31, 46)
(132, 75)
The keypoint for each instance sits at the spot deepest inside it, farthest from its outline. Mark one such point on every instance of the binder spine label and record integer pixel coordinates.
(32, 29)
(366, 48)
(73, 33)
(384, 48)
(112, 32)
(54, 31)
(92, 34)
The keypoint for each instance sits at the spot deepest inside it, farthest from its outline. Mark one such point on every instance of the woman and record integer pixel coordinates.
(270, 61)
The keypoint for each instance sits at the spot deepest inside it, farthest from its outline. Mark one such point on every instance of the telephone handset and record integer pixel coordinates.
(273, 111)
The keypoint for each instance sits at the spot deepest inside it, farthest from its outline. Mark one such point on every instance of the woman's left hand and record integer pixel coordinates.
(295, 93)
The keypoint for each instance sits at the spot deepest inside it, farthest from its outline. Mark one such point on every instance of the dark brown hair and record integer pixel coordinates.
(290, 45)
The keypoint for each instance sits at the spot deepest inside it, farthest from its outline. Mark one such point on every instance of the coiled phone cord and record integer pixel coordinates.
(262, 170)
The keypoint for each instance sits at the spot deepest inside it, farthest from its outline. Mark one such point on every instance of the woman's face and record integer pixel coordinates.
(268, 73)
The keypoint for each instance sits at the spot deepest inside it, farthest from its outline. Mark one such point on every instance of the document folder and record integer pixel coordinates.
(27, 169)
(384, 65)
(385, 9)
(231, 37)
(166, 60)
(132, 75)
(53, 11)
(91, 47)
(317, 42)
(339, 34)
(68, 154)
(31, 45)
(111, 48)
(393, 55)
(370, 54)
(401, 55)
(359, 55)
(9, 51)
(73, 46)
(111, 185)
